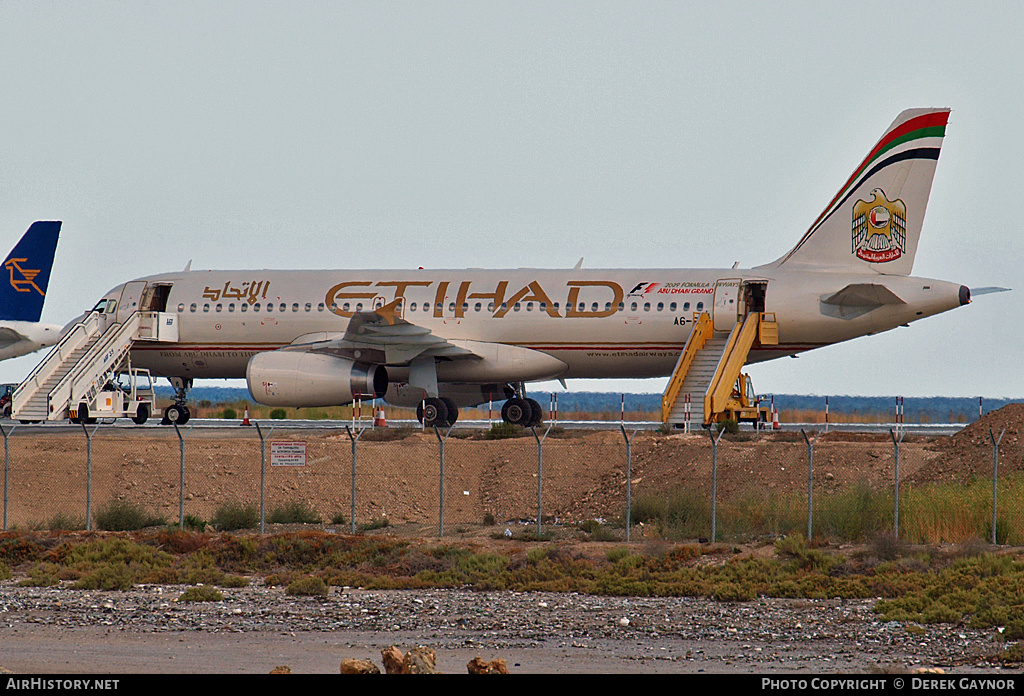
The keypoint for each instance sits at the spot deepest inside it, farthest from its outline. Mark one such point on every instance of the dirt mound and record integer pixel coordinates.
(968, 454)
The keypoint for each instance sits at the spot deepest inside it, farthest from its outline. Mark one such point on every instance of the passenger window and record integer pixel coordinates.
(309, 307)
(700, 306)
(621, 306)
(412, 307)
(192, 307)
(282, 307)
(270, 307)
(632, 307)
(661, 306)
(477, 307)
(231, 307)
(295, 306)
(647, 306)
(219, 306)
(181, 308)
(672, 307)
(245, 308)
(206, 307)
(593, 307)
(256, 307)
(686, 306)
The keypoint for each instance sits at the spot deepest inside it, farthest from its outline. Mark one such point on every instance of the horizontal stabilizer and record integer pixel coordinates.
(863, 295)
(987, 291)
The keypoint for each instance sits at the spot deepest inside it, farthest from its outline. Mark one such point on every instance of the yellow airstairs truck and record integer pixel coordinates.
(707, 386)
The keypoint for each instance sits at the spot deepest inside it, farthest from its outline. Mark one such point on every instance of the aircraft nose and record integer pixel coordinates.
(965, 295)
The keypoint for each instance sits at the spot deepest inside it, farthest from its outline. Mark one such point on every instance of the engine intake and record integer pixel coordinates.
(298, 379)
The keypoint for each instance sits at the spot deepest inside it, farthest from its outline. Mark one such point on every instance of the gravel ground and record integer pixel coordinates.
(54, 630)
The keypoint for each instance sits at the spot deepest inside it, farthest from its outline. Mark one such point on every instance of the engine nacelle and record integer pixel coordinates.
(298, 379)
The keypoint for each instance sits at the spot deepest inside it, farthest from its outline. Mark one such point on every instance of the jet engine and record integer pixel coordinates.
(300, 379)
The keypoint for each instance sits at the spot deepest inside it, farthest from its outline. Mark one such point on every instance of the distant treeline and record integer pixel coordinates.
(936, 409)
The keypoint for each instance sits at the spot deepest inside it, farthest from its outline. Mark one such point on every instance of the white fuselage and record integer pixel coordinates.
(620, 323)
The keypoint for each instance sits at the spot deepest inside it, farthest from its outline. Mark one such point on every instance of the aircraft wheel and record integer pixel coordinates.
(432, 412)
(83, 414)
(141, 415)
(186, 414)
(7, 411)
(453, 411)
(174, 414)
(517, 411)
(536, 413)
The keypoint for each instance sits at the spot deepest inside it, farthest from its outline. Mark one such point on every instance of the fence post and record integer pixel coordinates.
(263, 476)
(354, 440)
(714, 482)
(896, 474)
(995, 475)
(440, 512)
(629, 476)
(810, 474)
(181, 478)
(88, 475)
(7, 469)
(540, 473)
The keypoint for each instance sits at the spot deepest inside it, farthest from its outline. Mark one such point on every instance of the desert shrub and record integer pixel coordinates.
(378, 523)
(307, 587)
(229, 414)
(5, 571)
(503, 430)
(63, 521)
(680, 514)
(234, 515)
(339, 518)
(123, 516)
(201, 593)
(278, 414)
(193, 523)
(295, 511)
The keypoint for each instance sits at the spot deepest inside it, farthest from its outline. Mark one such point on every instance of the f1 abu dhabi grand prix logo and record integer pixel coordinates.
(879, 228)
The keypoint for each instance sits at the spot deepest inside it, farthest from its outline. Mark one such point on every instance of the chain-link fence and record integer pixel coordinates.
(623, 484)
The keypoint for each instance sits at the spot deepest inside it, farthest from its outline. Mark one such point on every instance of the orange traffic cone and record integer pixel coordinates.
(378, 420)
(245, 417)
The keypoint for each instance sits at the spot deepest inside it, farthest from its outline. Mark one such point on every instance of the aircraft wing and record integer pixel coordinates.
(381, 337)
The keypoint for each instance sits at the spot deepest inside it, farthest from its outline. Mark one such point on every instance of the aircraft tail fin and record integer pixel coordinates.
(26, 273)
(874, 222)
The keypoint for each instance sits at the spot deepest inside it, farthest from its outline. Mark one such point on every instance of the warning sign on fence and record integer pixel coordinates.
(287, 453)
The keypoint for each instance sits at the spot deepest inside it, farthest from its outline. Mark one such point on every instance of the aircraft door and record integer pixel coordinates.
(131, 296)
(726, 311)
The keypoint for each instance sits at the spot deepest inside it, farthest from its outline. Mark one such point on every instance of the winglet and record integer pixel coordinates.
(26, 273)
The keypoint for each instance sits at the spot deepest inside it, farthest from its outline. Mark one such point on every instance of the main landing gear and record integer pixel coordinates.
(443, 413)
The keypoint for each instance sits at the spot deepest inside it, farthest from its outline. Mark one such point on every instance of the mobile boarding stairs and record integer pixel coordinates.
(702, 389)
(78, 369)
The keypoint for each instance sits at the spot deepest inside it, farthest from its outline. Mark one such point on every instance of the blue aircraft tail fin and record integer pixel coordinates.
(26, 273)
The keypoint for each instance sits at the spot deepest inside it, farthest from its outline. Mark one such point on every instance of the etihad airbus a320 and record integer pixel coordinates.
(444, 338)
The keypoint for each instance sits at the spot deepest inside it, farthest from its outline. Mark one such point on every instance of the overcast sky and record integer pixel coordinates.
(507, 134)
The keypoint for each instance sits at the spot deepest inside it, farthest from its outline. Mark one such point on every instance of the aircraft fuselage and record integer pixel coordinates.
(599, 323)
